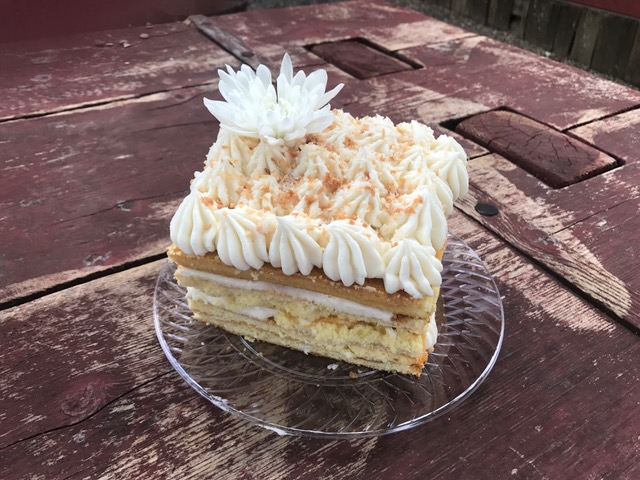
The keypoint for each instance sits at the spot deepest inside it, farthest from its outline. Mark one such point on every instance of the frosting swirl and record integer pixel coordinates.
(411, 267)
(449, 161)
(350, 255)
(240, 243)
(193, 228)
(425, 221)
(292, 248)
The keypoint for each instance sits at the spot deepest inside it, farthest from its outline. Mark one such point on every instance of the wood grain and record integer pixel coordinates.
(616, 34)
(358, 59)
(618, 135)
(229, 42)
(271, 32)
(555, 158)
(69, 72)
(559, 352)
(496, 75)
(539, 221)
(93, 189)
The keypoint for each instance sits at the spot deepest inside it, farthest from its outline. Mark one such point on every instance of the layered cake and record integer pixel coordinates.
(314, 230)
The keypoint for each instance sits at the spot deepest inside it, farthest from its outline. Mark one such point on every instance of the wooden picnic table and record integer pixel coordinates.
(100, 134)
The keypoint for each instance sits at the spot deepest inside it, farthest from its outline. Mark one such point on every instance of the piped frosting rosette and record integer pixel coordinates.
(292, 183)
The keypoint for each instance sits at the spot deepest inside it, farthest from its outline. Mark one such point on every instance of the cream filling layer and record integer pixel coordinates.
(334, 303)
(263, 313)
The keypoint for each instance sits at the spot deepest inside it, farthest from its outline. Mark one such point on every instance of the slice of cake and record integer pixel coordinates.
(314, 230)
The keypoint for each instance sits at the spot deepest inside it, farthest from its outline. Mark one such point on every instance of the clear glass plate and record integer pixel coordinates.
(293, 393)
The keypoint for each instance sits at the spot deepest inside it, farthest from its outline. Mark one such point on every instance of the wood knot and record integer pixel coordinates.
(85, 399)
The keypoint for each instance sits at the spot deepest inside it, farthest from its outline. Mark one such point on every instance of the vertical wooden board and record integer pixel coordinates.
(271, 32)
(476, 10)
(68, 72)
(519, 17)
(568, 19)
(496, 75)
(499, 14)
(94, 189)
(618, 135)
(614, 44)
(541, 24)
(632, 74)
(586, 36)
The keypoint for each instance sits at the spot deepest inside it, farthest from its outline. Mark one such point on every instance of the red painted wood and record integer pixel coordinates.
(148, 423)
(56, 74)
(358, 59)
(271, 32)
(557, 159)
(496, 75)
(21, 21)
(97, 187)
(625, 7)
(618, 135)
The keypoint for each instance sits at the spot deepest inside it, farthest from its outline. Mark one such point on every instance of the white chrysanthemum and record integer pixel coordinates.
(254, 108)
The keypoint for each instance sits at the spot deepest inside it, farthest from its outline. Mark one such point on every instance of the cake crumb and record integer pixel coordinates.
(332, 366)
(353, 374)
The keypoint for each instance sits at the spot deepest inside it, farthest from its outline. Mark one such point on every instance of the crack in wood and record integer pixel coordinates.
(88, 106)
(536, 255)
(80, 280)
(119, 204)
(88, 417)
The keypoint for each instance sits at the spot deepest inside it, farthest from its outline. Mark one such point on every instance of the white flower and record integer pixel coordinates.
(254, 108)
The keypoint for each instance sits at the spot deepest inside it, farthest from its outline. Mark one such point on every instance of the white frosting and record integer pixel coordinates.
(360, 199)
(432, 333)
(257, 312)
(292, 248)
(240, 244)
(350, 255)
(427, 223)
(291, 183)
(413, 268)
(419, 133)
(449, 160)
(194, 227)
(223, 182)
(334, 303)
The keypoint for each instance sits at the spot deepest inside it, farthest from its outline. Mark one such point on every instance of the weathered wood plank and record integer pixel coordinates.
(68, 72)
(499, 14)
(494, 74)
(359, 59)
(72, 353)
(632, 74)
(618, 135)
(586, 36)
(559, 352)
(532, 217)
(568, 19)
(519, 17)
(541, 24)
(617, 34)
(230, 42)
(476, 10)
(271, 32)
(93, 189)
(555, 158)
